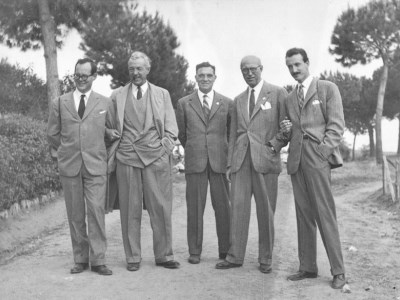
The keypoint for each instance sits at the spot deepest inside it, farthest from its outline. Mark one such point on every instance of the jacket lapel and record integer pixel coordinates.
(121, 100)
(156, 99)
(91, 103)
(70, 105)
(262, 98)
(195, 103)
(242, 101)
(217, 103)
(312, 90)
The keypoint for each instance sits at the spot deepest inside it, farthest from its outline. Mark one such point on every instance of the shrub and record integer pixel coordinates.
(26, 169)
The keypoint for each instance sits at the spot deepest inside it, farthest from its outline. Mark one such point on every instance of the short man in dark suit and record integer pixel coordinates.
(316, 122)
(254, 162)
(77, 130)
(203, 120)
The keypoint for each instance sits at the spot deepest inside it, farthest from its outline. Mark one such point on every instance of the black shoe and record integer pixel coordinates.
(264, 268)
(194, 259)
(338, 281)
(79, 268)
(302, 275)
(171, 264)
(222, 255)
(133, 266)
(226, 265)
(101, 270)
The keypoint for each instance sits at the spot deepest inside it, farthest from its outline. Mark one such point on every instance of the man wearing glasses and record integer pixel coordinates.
(254, 163)
(76, 130)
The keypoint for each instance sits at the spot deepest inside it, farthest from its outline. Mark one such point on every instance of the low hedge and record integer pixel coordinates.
(26, 168)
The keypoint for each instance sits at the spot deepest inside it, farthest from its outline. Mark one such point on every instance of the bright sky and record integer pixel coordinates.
(223, 31)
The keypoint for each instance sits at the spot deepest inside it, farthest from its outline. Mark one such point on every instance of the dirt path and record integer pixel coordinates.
(372, 269)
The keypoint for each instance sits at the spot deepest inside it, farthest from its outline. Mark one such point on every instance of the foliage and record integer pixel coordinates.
(22, 91)
(26, 169)
(123, 30)
(360, 36)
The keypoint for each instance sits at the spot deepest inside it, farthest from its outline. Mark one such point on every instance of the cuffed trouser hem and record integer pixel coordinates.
(132, 260)
(265, 261)
(164, 259)
(99, 262)
(232, 260)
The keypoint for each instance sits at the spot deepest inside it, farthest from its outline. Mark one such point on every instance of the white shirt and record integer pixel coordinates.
(257, 91)
(77, 97)
(306, 84)
(144, 87)
(210, 97)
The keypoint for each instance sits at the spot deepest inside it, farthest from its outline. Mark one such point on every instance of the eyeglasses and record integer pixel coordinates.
(83, 77)
(247, 71)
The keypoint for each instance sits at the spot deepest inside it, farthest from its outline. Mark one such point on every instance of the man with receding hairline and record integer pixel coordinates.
(254, 163)
(146, 125)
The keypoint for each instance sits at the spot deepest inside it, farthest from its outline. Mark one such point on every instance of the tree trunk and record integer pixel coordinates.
(398, 142)
(50, 49)
(379, 109)
(371, 140)
(354, 148)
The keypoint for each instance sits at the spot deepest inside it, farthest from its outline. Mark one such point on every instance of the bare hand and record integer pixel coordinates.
(115, 135)
(286, 125)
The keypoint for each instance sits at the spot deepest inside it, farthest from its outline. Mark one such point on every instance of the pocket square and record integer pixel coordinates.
(316, 101)
(265, 106)
(102, 112)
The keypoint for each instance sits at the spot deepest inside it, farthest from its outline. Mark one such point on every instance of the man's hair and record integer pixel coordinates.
(294, 51)
(82, 61)
(138, 54)
(205, 64)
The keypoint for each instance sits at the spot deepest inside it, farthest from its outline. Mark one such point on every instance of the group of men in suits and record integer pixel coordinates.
(225, 141)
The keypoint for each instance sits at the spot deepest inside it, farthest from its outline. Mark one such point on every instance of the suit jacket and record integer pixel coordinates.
(79, 140)
(164, 120)
(204, 140)
(321, 119)
(259, 131)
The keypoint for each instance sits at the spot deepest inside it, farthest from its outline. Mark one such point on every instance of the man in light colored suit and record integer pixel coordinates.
(204, 120)
(145, 122)
(254, 162)
(316, 121)
(76, 130)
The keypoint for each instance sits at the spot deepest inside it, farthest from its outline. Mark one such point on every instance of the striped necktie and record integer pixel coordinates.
(300, 95)
(206, 107)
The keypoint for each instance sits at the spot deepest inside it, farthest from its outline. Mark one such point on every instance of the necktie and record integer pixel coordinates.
(206, 108)
(81, 108)
(300, 95)
(139, 93)
(252, 103)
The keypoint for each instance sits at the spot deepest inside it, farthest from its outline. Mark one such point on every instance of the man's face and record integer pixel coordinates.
(83, 77)
(138, 71)
(205, 78)
(251, 70)
(297, 67)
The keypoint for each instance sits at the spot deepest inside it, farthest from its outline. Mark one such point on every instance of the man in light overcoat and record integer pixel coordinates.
(204, 122)
(146, 126)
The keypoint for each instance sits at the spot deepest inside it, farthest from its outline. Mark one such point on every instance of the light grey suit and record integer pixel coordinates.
(82, 162)
(206, 151)
(316, 133)
(255, 168)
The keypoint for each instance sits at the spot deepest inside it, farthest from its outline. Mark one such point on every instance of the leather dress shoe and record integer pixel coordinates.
(133, 266)
(226, 265)
(101, 270)
(338, 281)
(302, 275)
(79, 268)
(222, 255)
(171, 264)
(194, 259)
(264, 268)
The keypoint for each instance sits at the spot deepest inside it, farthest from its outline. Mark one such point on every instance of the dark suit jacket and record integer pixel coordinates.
(79, 141)
(204, 141)
(321, 119)
(259, 130)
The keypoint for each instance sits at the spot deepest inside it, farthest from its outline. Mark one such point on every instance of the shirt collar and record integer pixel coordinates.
(144, 87)
(210, 96)
(78, 94)
(306, 84)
